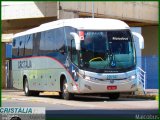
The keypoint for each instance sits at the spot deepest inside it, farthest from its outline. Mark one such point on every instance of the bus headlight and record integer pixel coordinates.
(133, 77)
(89, 78)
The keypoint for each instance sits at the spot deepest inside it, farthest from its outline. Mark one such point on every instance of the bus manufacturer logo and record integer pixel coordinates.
(111, 81)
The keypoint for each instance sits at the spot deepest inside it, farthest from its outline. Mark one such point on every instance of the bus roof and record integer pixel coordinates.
(79, 23)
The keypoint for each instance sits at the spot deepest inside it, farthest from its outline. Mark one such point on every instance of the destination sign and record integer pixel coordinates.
(119, 38)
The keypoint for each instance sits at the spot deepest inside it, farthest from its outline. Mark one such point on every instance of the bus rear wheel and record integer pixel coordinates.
(28, 92)
(65, 93)
(114, 96)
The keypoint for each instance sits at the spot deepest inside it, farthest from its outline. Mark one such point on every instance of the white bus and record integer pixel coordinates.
(76, 56)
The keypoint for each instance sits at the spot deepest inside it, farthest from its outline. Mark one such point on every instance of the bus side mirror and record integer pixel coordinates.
(140, 39)
(77, 40)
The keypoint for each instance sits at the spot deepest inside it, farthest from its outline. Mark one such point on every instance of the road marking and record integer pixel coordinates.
(55, 101)
(6, 98)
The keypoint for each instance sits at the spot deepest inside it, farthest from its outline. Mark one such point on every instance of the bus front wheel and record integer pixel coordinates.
(65, 93)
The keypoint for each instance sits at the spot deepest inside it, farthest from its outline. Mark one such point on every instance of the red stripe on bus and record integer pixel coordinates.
(54, 59)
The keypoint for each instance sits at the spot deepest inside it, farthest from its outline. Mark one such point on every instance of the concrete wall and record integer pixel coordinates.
(16, 10)
(18, 25)
(66, 14)
(20, 16)
(134, 11)
(150, 34)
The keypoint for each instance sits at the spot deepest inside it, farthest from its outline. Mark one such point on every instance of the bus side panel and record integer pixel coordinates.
(17, 75)
(43, 73)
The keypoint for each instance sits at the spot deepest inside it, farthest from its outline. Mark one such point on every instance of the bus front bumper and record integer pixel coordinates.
(108, 86)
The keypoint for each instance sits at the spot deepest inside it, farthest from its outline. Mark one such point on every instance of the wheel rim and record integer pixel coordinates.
(26, 87)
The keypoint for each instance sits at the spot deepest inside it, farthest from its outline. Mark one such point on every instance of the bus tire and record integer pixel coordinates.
(65, 94)
(114, 96)
(28, 92)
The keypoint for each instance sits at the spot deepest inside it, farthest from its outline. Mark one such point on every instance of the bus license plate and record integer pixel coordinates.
(111, 87)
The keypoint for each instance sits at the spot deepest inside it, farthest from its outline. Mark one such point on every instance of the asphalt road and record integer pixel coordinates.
(82, 106)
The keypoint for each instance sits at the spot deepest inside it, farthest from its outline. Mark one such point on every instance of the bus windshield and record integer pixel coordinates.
(107, 50)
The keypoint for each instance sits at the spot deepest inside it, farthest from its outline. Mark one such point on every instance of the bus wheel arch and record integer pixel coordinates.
(24, 80)
(62, 78)
(65, 94)
(26, 89)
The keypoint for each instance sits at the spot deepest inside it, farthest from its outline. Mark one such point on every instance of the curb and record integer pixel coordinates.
(152, 97)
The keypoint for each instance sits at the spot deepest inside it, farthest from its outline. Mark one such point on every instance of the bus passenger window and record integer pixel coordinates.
(14, 50)
(29, 45)
(21, 47)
